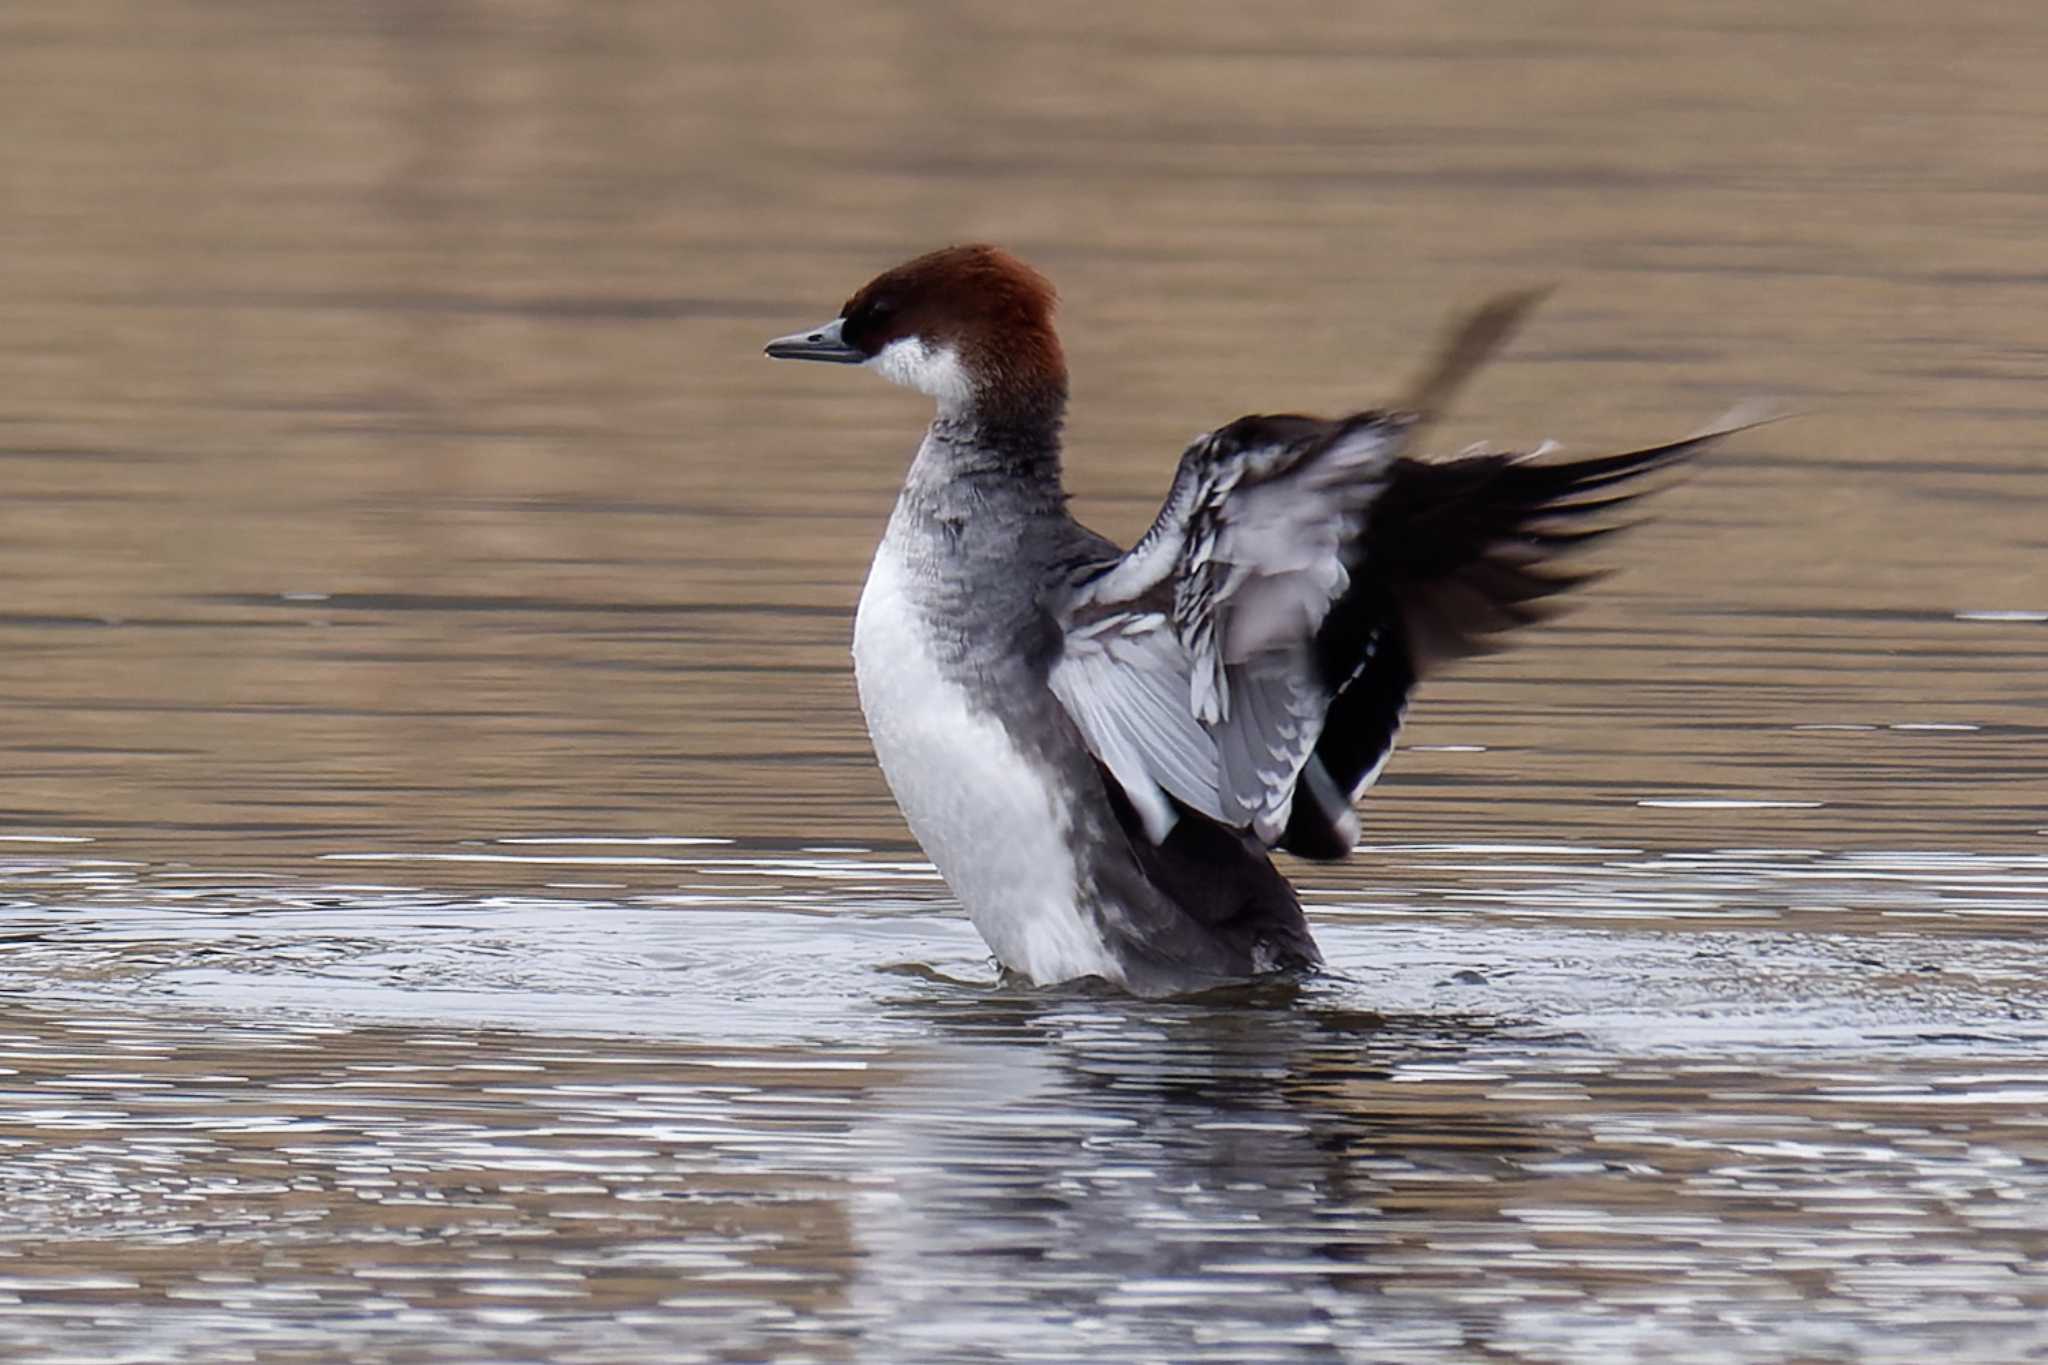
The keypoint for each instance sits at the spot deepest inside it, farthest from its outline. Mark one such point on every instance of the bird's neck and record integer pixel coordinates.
(1017, 445)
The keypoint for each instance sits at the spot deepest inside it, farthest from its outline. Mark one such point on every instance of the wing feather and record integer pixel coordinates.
(1251, 657)
(1123, 680)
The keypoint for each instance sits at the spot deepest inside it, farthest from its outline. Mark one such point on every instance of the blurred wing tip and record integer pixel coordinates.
(1745, 415)
(1516, 304)
(1473, 340)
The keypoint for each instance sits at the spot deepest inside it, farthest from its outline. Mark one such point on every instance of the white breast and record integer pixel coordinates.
(988, 817)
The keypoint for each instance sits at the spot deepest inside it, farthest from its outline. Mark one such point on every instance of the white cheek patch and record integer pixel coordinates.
(935, 371)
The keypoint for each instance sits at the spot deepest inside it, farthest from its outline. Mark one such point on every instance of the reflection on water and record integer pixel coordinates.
(449, 909)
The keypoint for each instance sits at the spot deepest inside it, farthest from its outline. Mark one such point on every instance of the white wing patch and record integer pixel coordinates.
(1123, 680)
(1279, 718)
(1218, 702)
(1263, 558)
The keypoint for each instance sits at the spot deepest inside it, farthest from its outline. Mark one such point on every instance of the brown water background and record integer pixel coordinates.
(451, 911)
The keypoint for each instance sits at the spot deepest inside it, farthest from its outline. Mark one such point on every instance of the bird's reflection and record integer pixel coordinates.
(1253, 1156)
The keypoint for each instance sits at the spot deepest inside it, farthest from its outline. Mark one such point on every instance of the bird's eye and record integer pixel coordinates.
(881, 308)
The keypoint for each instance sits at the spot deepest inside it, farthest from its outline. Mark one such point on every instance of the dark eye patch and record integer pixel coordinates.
(867, 320)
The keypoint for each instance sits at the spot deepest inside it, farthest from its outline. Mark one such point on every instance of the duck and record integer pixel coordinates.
(1100, 749)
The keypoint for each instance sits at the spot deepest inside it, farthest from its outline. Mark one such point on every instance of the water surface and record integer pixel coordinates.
(451, 913)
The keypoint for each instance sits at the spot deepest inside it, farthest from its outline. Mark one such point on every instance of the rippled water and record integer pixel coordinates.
(1553, 1102)
(451, 914)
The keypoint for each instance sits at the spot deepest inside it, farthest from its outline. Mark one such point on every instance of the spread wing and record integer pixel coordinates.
(1250, 657)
